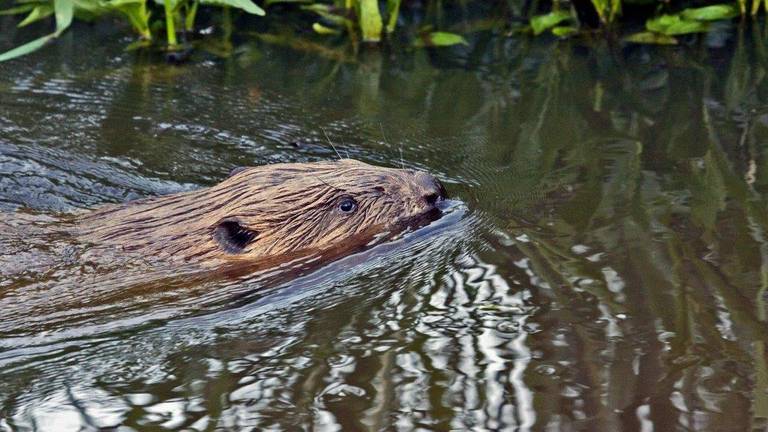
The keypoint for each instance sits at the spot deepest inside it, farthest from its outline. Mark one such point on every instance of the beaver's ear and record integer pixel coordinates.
(236, 170)
(233, 237)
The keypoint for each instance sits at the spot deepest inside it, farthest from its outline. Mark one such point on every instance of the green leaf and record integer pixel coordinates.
(370, 20)
(326, 12)
(96, 7)
(189, 16)
(393, 10)
(710, 13)
(89, 10)
(542, 23)
(246, 5)
(17, 10)
(671, 25)
(607, 9)
(118, 4)
(755, 6)
(323, 30)
(137, 14)
(38, 13)
(318, 7)
(26, 48)
(602, 8)
(615, 10)
(564, 31)
(651, 38)
(64, 10)
(440, 39)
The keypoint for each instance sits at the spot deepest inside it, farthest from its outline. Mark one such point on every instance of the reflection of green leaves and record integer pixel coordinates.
(440, 39)
(306, 46)
(542, 23)
(707, 192)
(741, 77)
(651, 38)
(564, 31)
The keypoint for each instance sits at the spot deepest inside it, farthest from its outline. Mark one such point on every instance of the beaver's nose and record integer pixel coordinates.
(431, 189)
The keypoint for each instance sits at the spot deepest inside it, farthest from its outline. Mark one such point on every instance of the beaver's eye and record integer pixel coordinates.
(347, 205)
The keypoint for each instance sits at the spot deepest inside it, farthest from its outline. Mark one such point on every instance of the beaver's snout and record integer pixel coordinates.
(432, 191)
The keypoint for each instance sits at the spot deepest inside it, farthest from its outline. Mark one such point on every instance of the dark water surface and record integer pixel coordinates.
(606, 271)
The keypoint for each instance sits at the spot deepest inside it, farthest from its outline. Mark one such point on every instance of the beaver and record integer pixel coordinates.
(61, 269)
(284, 209)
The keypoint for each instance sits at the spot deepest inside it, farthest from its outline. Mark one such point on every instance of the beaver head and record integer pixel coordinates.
(272, 210)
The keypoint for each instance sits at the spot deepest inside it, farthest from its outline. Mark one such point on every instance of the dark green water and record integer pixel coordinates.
(607, 269)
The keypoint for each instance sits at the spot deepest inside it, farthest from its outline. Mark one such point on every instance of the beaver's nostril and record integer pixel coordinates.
(431, 198)
(441, 192)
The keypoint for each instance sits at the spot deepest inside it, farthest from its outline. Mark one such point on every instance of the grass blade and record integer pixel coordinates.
(26, 48)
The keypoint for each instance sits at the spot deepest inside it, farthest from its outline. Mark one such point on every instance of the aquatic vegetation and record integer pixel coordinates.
(422, 24)
(138, 13)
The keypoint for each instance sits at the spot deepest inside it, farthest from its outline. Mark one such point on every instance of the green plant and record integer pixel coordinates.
(607, 10)
(364, 17)
(663, 29)
(63, 11)
(176, 14)
(377, 21)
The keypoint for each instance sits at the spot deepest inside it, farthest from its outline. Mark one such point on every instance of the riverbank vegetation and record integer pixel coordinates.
(171, 24)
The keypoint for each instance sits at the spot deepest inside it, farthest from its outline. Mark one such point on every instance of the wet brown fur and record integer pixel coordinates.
(290, 209)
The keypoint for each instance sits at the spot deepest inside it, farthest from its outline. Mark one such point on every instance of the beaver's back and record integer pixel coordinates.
(30, 245)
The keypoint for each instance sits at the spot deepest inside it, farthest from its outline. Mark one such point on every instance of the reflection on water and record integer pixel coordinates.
(609, 271)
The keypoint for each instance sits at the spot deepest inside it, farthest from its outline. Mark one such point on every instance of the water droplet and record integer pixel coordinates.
(545, 369)
(531, 328)
(508, 326)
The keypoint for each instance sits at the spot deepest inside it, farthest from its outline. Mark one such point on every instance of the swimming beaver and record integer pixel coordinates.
(269, 211)
(75, 269)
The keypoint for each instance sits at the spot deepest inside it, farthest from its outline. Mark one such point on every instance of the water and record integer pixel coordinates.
(605, 267)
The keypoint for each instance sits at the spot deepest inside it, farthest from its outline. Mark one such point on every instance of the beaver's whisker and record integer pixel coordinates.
(346, 149)
(383, 135)
(329, 142)
(316, 177)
